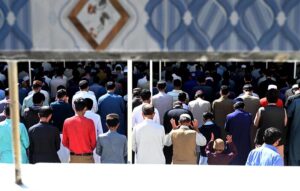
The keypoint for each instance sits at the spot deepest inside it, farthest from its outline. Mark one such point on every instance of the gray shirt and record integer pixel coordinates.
(112, 147)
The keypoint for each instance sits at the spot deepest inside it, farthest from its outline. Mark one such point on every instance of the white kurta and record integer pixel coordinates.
(85, 94)
(148, 142)
(137, 116)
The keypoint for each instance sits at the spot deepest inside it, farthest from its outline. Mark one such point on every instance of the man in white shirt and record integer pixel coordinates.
(177, 89)
(97, 123)
(162, 101)
(137, 116)
(85, 93)
(58, 80)
(36, 87)
(199, 106)
(148, 139)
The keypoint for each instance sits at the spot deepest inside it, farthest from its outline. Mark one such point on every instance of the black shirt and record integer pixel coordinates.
(44, 143)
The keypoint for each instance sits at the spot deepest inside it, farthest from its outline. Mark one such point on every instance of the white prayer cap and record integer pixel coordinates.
(272, 86)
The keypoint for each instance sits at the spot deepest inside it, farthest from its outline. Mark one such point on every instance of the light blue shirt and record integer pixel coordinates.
(6, 148)
(266, 155)
(112, 147)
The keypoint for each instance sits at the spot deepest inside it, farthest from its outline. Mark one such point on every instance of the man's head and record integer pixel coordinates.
(272, 136)
(272, 95)
(45, 113)
(89, 103)
(83, 85)
(199, 94)
(148, 111)
(110, 86)
(182, 96)
(177, 83)
(136, 92)
(146, 95)
(161, 85)
(80, 105)
(185, 119)
(224, 91)
(37, 85)
(61, 94)
(38, 98)
(112, 121)
(208, 116)
(239, 104)
(219, 145)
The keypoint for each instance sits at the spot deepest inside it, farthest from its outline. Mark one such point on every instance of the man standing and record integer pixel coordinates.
(173, 114)
(238, 124)
(61, 109)
(162, 101)
(36, 87)
(199, 106)
(221, 108)
(44, 139)
(185, 140)
(148, 139)
(6, 148)
(112, 103)
(112, 146)
(31, 113)
(79, 135)
(85, 93)
(137, 116)
(267, 154)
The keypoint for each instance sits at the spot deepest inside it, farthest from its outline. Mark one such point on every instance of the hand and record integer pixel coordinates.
(173, 123)
(195, 123)
(229, 138)
(212, 137)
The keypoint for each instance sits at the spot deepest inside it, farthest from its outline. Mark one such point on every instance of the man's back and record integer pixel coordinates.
(61, 111)
(266, 155)
(162, 102)
(112, 103)
(31, 116)
(44, 143)
(221, 108)
(148, 142)
(112, 147)
(198, 107)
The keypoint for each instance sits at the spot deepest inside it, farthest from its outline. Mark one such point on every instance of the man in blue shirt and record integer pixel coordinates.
(267, 154)
(112, 146)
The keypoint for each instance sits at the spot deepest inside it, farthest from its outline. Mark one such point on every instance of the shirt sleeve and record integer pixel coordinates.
(95, 105)
(125, 148)
(200, 139)
(249, 159)
(156, 117)
(134, 140)
(278, 161)
(57, 139)
(209, 148)
(92, 135)
(24, 136)
(168, 139)
(99, 127)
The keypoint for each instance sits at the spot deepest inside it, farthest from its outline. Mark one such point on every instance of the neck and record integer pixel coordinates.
(44, 120)
(146, 101)
(80, 113)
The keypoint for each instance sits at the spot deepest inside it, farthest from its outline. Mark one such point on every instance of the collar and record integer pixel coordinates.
(184, 127)
(208, 123)
(270, 147)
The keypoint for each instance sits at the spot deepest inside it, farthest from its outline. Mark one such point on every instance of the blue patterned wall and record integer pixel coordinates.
(225, 25)
(15, 27)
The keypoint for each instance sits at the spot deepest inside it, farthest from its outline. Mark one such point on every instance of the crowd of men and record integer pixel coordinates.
(220, 114)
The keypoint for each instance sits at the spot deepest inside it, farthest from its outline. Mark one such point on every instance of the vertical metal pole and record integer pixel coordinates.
(295, 70)
(159, 69)
(267, 65)
(14, 115)
(64, 64)
(29, 72)
(151, 75)
(129, 106)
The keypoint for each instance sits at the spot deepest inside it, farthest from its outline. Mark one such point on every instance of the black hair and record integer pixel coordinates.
(38, 97)
(112, 120)
(177, 83)
(61, 93)
(89, 103)
(239, 105)
(272, 95)
(161, 85)
(45, 111)
(271, 135)
(60, 87)
(208, 115)
(79, 104)
(110, 85)
(182, 96)
(145, 94)
(148, 109)
(83, 84)
(224, 90)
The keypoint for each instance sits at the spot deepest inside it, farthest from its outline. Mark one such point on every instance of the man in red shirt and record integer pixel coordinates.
(272, 89)
(79, 135)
